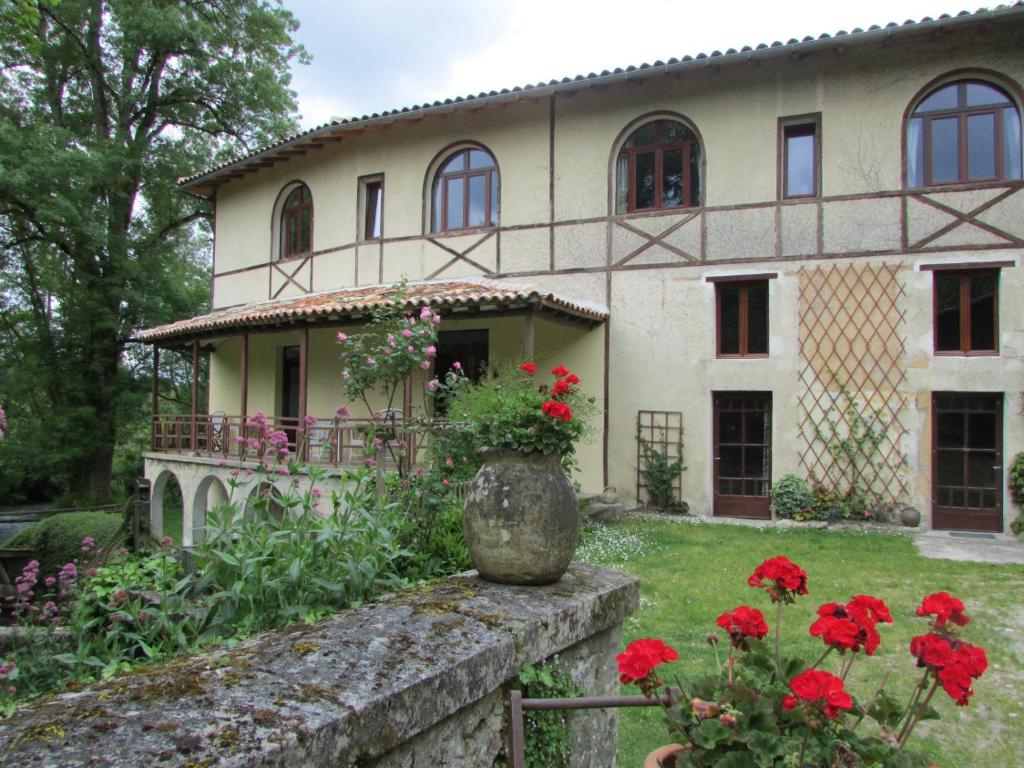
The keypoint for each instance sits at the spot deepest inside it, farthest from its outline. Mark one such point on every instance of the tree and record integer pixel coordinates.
(103, 105)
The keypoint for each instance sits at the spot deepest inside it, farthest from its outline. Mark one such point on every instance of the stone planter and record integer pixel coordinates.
(910, 516)
(664, 757)
(521, 522)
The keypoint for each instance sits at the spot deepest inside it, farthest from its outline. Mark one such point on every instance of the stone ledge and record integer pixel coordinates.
(349, 688)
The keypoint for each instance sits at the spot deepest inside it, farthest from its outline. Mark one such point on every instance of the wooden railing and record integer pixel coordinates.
(324, 441)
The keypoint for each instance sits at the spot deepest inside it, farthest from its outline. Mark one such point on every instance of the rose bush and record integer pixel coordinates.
(764, 709)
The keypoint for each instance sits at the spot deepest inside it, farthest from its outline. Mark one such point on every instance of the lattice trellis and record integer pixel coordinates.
(852, 377)
(663, 431)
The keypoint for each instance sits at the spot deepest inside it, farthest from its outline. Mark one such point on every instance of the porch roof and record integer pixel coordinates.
(348, 304)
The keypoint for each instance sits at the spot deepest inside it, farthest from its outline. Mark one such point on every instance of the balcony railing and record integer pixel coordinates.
(324, 441)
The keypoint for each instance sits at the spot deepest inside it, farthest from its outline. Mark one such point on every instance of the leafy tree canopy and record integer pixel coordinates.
(103, 105)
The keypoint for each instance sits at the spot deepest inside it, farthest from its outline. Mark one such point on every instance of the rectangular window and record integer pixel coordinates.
(966, 311)
(372, 203)
(800, 156)
(742, 309)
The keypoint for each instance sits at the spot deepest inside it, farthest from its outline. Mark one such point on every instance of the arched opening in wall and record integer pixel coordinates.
(462, 189)
(291, 226)
(264, 503)
(165, 508)
(211, 494)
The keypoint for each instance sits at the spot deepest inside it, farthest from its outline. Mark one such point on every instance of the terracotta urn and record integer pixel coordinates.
(664, 757)
(521, 521)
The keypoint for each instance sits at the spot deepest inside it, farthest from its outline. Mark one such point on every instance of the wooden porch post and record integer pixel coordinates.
(303, 383)
(195, 393)
(528, 322)
(155, 417)
(245, 378)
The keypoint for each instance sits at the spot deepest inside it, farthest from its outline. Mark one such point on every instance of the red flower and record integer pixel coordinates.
(559, 389)
(931, 651)
(556, 410)
(789, 579)
(789, 702)
(944, 607)
(741, 623)
(955, 664)
(572, 378)
(559, 370)
(817, 685)
(871, 606)
(852, 626)
(641, 657)
(838, 632)
(530, 368)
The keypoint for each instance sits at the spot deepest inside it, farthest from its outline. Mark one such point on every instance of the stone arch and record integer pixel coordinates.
(210, 492)
(166, 479)
(275, 509)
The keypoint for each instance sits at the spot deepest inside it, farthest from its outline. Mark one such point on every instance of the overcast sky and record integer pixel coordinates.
(382, 54)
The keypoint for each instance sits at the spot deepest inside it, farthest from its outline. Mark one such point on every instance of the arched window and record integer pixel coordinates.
(296, 229)
(964, 131)
(465, 192)
(657, 168)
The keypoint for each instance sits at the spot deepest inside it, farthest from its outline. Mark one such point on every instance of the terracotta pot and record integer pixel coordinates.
(521, 520)
(664, 757)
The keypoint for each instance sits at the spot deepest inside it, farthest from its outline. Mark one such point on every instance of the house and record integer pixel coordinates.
(804, 256)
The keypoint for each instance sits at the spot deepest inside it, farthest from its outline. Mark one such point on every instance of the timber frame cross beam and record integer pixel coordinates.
(517, 705)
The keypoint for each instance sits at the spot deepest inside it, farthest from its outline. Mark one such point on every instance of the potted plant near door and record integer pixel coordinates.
(521, 520)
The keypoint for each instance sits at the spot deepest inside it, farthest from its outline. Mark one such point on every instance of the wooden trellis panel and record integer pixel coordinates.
(663, 430)
(852, 352)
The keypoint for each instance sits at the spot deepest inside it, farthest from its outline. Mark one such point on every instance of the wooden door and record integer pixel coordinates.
(967, 461)
(742, 444)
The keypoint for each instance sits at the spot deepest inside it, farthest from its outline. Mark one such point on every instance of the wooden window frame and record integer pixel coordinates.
(810, 121)
(743, 284)
(659, 149)
(363, 221)
(961, 112)
(287, 213)
(966, 320)
(439, 191)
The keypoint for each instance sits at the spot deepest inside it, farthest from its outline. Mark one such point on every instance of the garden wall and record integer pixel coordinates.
(417, 679)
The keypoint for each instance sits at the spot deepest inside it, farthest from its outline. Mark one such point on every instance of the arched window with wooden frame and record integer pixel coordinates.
(464, 194)
(658, 168)
(296, 223)
(963, 131)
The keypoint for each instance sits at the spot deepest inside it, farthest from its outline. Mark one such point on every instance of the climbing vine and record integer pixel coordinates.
(546, 732)
(660, 475)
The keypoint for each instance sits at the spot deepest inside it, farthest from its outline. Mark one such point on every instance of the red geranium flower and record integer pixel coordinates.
(557, 410)
(944, 607)
(572, 378)
(559, 389)
(931, 650)
(967, 663)
(741, 623)
(559, 370)
(817, 685)
(641, 657)
(530, 368)
(788, 578)
(852, 626)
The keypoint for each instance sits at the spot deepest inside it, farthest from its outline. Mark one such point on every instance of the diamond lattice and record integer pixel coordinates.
(852, 377)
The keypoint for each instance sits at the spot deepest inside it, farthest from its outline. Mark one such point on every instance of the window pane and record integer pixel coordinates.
(945, 146)
(477, 201)
(799, 163)
(979, 95)
(950, 469)
(944, 98)
(642, 136)
(757, 318)
(731, 461)
(672, 178)
(694, 198)
(981, 430)
(492, 183)
(947, 312)
(980, 472)
(306, 231)
(915, 153)
(374, 195)
(438, 203)
(480, 159)
(453, 201)
(672, 132)
(457, 163)
(729, 331)
(730, 427)
(756, 424)
(983, 311)
(981, 146)
(950, 429)
(644, 181)
(1011, 144)
(622, 182)
(753, 459)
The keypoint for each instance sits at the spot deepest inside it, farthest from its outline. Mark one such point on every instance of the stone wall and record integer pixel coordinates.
(418, 679)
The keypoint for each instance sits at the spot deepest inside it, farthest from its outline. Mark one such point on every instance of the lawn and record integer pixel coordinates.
(690, 573)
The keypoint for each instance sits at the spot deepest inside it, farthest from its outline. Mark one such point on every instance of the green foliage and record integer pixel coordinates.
(545, 732)
(660, 476)
(57, 539)
(96, 240)
(1016, 481)
(505, 410)
(792, 498)
(431, 523)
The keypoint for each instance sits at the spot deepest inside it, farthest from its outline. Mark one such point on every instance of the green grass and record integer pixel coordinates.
(692, 573)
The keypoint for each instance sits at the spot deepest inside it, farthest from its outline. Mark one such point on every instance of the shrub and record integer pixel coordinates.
(660, 476)
(793, 498)
(431, 516)
(57, 539)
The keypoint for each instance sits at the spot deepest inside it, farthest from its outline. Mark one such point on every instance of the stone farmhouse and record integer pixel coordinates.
(759, 256)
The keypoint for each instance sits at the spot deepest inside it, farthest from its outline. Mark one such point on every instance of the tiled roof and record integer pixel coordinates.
(350, 303)
(339, 127)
